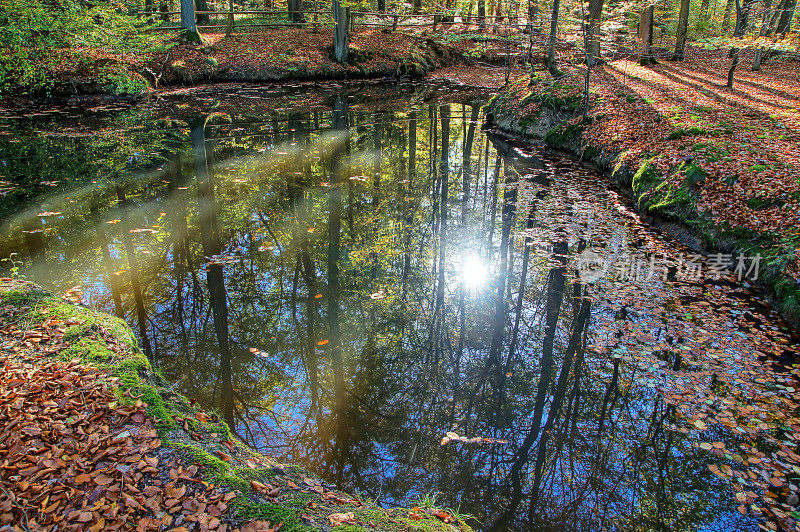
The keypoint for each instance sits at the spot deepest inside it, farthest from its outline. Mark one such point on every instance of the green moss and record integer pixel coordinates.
(667, 197)
(219, 428)
(88, 350)
(89, 320)
(274, 513)
(528, 120)
(398, 521)
(349, 528)
(221, 473)
(644, 179)
(108, 343)
(761, 203)
(692, 131)
(22, 298)
(711, 152)
(656, 195)
(563, 133)
(560, 97)
(694, 174)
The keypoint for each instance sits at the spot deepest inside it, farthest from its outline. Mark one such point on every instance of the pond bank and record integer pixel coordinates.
(269, 55)
(127, 451)
(685, 165)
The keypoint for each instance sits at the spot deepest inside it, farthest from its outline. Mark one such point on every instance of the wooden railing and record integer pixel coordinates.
(316, 18)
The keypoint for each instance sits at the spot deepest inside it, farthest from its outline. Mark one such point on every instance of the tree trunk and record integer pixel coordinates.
(726, 17)
(764, 29)
(416, 7)
(382, 6)
(776, 15)
(742, 13)
(533, 14)
(785, 21)
(551, 47)
(229, 25)
(646, 37)
(680, 37)
(593, 34)
(341, 33)
(189, 31)
(482, 14)
(133, 275)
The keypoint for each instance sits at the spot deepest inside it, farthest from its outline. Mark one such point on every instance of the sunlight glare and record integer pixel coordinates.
(474, 271)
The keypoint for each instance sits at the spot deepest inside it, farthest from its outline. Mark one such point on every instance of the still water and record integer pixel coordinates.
(365, 282)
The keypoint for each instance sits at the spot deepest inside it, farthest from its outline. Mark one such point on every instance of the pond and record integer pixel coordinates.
(363, 281)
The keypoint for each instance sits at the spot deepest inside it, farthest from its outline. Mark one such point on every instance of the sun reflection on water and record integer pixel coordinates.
(474, 271)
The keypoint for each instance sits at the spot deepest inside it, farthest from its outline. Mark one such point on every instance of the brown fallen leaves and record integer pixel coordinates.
(347, 518)
(747, 140)
(74, 459)
(71, 456)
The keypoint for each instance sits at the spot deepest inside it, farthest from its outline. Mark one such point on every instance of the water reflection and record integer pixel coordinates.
(346, 284)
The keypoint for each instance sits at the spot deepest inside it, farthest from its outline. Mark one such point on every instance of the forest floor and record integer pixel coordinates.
(284, 54)
(93, 439)
(724, 162)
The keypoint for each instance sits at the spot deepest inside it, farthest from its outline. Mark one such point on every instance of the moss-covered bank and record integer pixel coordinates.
(554, 117)
(295, 498)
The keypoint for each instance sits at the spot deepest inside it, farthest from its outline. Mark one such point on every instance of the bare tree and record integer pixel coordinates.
(785, 22)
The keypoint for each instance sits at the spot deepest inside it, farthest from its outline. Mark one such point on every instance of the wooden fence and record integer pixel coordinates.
(316, 18)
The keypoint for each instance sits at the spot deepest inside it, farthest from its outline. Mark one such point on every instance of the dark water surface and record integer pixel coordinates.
(347, 276)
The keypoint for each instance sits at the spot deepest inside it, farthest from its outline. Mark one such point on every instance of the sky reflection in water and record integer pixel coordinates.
(345, 299)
